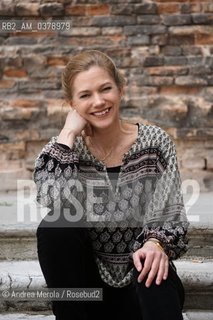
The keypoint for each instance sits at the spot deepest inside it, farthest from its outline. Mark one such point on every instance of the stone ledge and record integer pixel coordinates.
(28, 275)
(21, 275)
(24, 316)
(21, 244)
(192, 315)
(197, 279)
(187, 315)
(196, 275)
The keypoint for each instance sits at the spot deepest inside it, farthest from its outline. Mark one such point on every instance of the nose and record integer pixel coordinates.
(98, 100)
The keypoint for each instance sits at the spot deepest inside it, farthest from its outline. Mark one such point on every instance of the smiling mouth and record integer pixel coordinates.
(101, 113)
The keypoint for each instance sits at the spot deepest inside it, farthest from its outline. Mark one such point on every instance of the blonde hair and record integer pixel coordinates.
(83, 62)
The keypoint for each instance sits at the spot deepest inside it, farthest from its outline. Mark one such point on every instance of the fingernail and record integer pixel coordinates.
(139, 268)
(139, 280)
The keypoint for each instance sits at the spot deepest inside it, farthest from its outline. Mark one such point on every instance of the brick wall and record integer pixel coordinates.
(164, 48)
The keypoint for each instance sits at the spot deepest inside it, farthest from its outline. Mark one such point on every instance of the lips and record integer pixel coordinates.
(101, 113)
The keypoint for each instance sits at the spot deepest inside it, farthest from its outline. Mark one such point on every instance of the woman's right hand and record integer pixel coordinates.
(74, 123)
(73, 127)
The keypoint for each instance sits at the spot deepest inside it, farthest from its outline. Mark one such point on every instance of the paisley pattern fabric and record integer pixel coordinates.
(145, 200)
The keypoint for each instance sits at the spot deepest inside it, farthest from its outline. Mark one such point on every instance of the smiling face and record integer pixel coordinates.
(96, 97)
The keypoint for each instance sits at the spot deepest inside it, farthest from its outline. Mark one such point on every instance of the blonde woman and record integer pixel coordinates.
(117, 217)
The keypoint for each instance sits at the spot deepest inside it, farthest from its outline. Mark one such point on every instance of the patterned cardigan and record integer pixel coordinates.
(145, 201)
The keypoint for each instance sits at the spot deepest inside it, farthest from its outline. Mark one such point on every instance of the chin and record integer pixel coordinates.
(103, 123)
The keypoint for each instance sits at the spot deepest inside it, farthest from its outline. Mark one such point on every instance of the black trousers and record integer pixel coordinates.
(66, 259)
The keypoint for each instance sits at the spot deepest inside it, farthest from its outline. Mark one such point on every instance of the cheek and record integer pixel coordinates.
(116, 95)
(117, 98)
(81, 108)
(77, 105)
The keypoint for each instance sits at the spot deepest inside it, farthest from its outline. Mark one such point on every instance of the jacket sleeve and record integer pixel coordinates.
(55, 175)
(165, 217)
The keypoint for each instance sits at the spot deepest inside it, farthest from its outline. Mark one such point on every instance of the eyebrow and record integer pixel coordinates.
(102, 85)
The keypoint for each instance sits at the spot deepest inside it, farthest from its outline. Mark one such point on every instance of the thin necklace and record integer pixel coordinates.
(96, 148)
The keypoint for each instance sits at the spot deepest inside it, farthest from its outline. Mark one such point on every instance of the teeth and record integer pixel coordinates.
(101, 113)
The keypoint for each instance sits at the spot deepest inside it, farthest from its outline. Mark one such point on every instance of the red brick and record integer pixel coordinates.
(164, 70)
(78, 10)
(37, 34)
(195, 7)
(57, 61)
(15, 73)
(173, 90)
(205, 39)
(57, 102)
(6, 84)
(16, 146)
(196, 1)
(97, 10)
(181, 40)
(164, 8)
(91, 41)
(25, 103)
(169, 1)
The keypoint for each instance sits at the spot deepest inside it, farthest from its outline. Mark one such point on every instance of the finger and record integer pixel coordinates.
(137, 260)
(146, 267)
(166, 272)
(161, 270)
(153, 272)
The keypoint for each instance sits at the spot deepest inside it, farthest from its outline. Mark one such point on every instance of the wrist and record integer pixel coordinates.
(66, 137)
(157, 243)
(68, 131)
